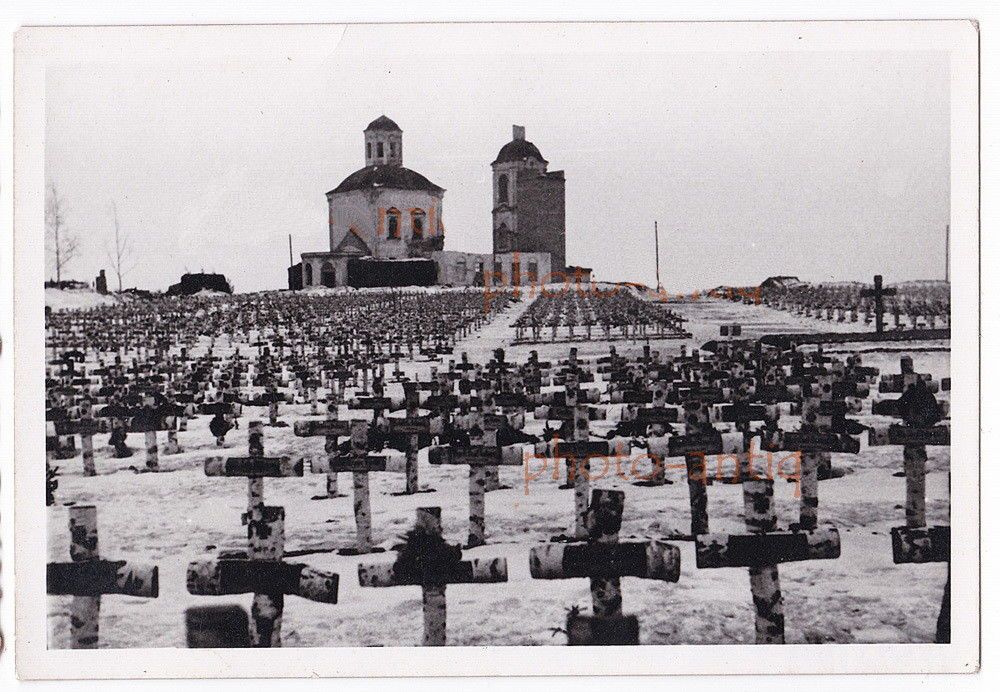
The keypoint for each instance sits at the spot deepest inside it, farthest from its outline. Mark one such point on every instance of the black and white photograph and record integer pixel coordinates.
(377, 337)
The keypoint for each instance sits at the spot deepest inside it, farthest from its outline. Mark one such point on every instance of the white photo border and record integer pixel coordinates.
(37, 48)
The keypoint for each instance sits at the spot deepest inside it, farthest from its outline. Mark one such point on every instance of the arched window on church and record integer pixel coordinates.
(392, 218)
(417, 222)
(309, 274)
(502, 190)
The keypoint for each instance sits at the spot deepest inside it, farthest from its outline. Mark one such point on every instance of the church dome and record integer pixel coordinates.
(391, 177)
(384, 124)
(518, 150)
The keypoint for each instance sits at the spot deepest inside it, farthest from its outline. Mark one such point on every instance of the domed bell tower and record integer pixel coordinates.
(383, 143)
(517, 159)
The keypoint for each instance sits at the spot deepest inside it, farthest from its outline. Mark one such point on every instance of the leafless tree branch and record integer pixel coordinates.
(62, 244)
(120, 252)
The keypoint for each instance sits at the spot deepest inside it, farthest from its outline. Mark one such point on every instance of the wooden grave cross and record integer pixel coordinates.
(86, 427)
(481, 452)
(427, 561)
(330, 429)
(578, 449)
(761, 549)
(262, 572)
(821, 396)
(920, 412)
(654, 422)
(412, 427)
(605, 560)
(265, 533)
(697, 422)
(87, 577)
(878, 293)
(485, 401)
(360, 464)
(149, 419)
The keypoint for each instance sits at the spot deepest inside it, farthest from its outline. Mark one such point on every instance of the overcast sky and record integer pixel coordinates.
(826, 165)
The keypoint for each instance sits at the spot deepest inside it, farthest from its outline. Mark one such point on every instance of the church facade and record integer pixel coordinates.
(383, 210)
(392, 216)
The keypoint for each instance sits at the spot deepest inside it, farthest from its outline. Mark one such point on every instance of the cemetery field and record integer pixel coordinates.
(179, 514)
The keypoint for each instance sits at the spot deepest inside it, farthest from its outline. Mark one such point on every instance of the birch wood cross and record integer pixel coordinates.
(262, 572)
(921, 412)
(86, 426)
(412, 427)
(427, 561)
(330, 429)
(761, 550)
(360, 464)
(87, 577)
(605, 560)
(577, 449)
(481, 452)
(149, 420)
(259, 570)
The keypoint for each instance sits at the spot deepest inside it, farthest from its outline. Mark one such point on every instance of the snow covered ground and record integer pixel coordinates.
(179, 515)
(76, 299)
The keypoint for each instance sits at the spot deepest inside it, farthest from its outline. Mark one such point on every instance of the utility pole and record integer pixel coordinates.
(291, 261)
(947, 251)
(656, 235)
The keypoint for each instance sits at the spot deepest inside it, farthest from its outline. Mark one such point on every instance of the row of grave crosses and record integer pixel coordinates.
(119, 400)
(823, 391)
(148, 350)
(844, 304)
(755, 386)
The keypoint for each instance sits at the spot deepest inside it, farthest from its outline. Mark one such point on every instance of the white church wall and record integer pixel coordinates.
(365, 211)
(348, 210)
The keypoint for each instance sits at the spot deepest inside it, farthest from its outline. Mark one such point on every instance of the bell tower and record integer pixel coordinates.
(529, 203)
(383, 143)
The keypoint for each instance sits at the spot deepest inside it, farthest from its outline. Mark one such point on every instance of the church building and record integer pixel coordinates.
(386, 227)
(384, 210)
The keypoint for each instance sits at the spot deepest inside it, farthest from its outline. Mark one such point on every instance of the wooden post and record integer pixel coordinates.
(581, 464)
(85, 611)
(362, 498)
(87, 438)
(413, 447)
(152, 452)
(266, 536)
(765, 587)
(696, 421)
(330, 447)
(435, 607)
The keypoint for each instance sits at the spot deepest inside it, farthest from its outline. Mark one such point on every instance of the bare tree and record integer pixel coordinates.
(120, 251)
(62, 243)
